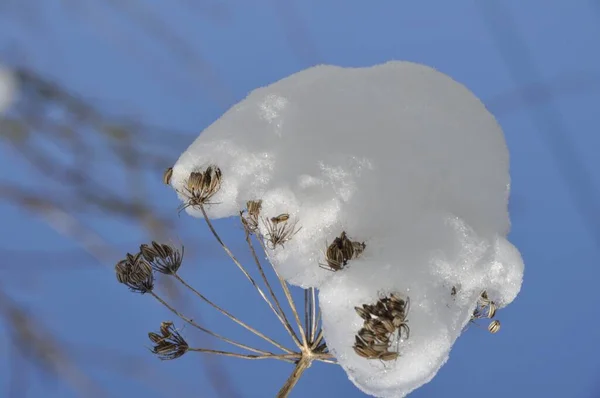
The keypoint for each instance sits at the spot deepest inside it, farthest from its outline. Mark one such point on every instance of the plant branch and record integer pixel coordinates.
(232, 317)
(207, 331)
(282, 317)
(291, 382)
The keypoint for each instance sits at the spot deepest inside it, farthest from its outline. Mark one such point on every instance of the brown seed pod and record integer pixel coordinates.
(494, 326)
(167, 176)
(388, 356)
(362, 313)
(280, 218)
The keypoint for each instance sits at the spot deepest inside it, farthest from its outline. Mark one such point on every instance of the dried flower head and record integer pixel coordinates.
(135, 272)
(167, 176)
(201, 186)
(162, 257)
(340, 251)
(486, 308)
(384, 323)
(169, 344)
(250, 216)
(279, 230)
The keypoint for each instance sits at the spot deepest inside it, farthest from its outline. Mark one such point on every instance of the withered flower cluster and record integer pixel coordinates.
(384, 323)
(201, 186)
(341, 251)
(250, 215)
(162, 257)
(169, 344)
(486, 308)
(136, 271)
(279, 230)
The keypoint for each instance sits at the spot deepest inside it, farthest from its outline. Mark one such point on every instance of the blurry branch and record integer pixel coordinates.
(548, 120)
(42, 350)
(87, 163)
(534, 94)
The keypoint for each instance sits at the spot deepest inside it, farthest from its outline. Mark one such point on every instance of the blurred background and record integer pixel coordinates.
(107, 94)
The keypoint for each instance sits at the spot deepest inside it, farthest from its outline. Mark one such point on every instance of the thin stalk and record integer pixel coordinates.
(235, 260)
(291, 382)
(289, 298)
(283, 318)
(315, 322)
(317, 340)
(307, 321)
(232, 317)
(285, 357)
(207, 331)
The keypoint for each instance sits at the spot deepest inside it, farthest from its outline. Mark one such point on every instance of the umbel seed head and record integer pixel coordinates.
(162, 257)
(136, 273)
(168, 344)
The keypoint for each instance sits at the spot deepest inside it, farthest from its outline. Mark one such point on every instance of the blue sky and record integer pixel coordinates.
(222, 50)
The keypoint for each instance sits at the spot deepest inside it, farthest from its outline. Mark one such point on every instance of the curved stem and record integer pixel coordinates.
(291, 382)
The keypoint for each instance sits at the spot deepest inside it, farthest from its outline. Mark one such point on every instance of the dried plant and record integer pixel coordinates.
(201, 186)
(279, 230)
(137, 271)
(384, 323)
(340, 251)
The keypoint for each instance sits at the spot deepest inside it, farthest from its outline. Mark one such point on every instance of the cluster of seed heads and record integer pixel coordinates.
(384, 322)
(168, 344)
(279, 230)
(200, 186)
(486, 308)
(250, 215)
(136, 271)
(341, 251)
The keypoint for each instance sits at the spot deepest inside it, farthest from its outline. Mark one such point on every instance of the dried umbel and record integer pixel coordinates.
(384, 322)
(250, 216)
(279, 230)
(168, 344)
(201, 186)
(162, 257)
(136, 273)
(486, 308)
(340, 251)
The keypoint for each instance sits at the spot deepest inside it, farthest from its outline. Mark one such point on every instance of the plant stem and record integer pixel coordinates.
(291, 382)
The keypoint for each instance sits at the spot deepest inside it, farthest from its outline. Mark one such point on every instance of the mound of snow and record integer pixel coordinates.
(400, 157)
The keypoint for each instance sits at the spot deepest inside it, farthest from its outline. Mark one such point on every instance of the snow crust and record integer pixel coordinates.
(8, 88)
(398, 156)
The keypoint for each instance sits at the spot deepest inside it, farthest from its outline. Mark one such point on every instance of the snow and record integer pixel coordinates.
(400, 157)
(8, 88)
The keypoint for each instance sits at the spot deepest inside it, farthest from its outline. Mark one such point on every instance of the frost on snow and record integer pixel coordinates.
(398, 156)
(8, 87)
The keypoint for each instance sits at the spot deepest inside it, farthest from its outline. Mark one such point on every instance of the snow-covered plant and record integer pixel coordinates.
(385, 189)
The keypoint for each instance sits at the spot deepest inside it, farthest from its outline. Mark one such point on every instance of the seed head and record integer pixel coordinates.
(169, 344)
(162, 257)
(136, 273)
